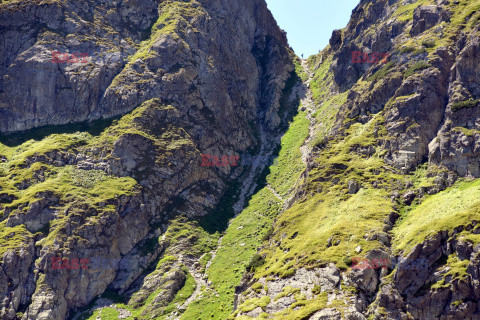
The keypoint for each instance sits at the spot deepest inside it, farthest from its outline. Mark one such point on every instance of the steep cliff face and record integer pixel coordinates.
(183, 79)
(187, 47)
(429, 48)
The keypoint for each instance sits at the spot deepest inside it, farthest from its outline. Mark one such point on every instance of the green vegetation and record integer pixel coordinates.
(329, 223)
(429, 43)
(286, 292)
(405, 12)
(181, 296)
(326, 225)
(106, 314)
(239, 244)
(380, 74)
(256, 262)
(466, 131)
(257, 287)
(299, 69)
(321, 80)
(191, 236)
(13, 239)
(174, 22)
(145, 310)
(93, 128)
(456, 271)
(418, 66)
(407, 49)
(281, 174)
(321, 218)
(23, 180)
(464, 104)
(72, 184)
(182, 236)
(305, 308)
(446, 210)
(457, 268)
(204, 261)
(251, 304)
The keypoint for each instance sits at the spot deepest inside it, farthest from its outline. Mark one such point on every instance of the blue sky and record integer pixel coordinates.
(309, 23)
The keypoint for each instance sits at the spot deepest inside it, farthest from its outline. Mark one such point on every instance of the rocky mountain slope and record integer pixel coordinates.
(385, 221)
(369, 211)
(182, 79)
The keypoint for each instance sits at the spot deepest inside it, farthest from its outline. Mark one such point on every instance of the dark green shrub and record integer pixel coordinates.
(256, 262)
(407, 49)
(430, 43)
(418, 66)
(464, 104)
(268, 234)
(348, 261)
(317, 289)
(380, 74)
(411, 49)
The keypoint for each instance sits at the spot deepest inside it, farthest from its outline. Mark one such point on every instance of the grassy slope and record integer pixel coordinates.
(328, 212)
(246, 232)
(446, 210)
(69, 184)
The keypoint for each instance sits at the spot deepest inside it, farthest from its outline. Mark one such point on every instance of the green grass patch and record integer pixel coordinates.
(13, 239)
(464, 104)
(380, 74)
(446, 210)
(466, 131)
(281, 174)
(418, 66)
(254, 303)
(321, 80)
(405, 12)
(320, 218)
(191, 235)
(305, 309)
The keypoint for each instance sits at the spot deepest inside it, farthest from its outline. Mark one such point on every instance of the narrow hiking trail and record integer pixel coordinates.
(201, 280)
(309, 105)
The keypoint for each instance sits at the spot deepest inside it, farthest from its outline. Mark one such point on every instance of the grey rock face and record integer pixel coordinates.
(326, 314)
(457, 143)
(426, 17)
(37, 216)
(304, 282)
(426, 113)
(48, 93)
(346, 71)
(17, 282)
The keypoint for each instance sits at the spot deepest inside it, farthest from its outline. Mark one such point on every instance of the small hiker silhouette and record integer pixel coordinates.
(302, 56)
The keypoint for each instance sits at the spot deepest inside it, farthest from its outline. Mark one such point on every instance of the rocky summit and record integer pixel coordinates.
(174, 159)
